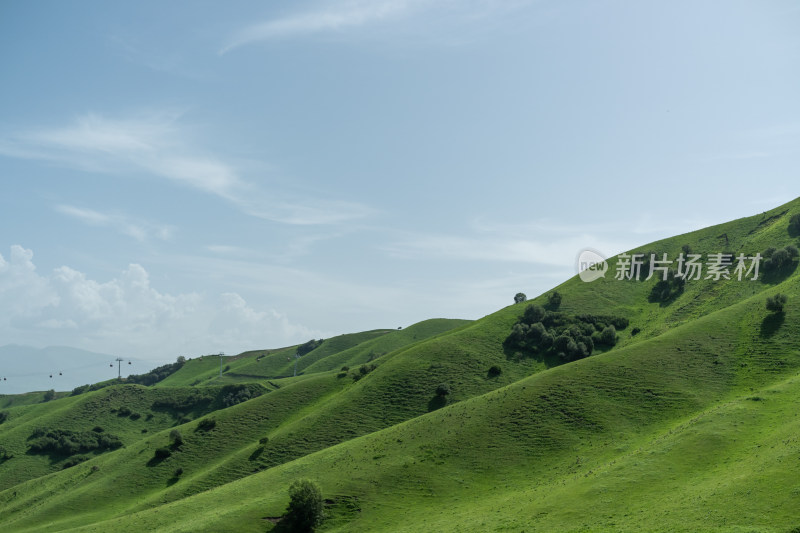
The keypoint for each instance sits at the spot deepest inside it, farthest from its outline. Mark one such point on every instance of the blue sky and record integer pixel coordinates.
(193, 177)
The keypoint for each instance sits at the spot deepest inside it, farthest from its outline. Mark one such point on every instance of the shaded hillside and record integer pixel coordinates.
(128, 412)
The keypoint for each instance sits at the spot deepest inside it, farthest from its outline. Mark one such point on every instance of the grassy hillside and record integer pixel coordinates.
(543, 452)
(689, 424)
(129, 412)
(28, 398)
(343, 350)
(374, 348)
(260, 365)
(615, 430)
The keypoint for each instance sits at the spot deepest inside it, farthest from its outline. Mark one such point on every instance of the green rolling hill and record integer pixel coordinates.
(687, 422)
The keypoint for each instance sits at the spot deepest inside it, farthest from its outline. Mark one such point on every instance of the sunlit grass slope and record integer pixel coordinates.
(689, 425)
(342, 350)
(372, 349)
(659, 436)
(259, 365)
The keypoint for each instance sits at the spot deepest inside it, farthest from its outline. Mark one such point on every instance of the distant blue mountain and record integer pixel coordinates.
(26, 369)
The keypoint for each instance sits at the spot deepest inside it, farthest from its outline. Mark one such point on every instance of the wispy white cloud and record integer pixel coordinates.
(560, 253)
(225, 249)
(336, 17)
(157, 145)
(138, 229)
(94, 133)
(153, 142)
(88, 216)
(346, 16)
(310, 212)
(300, 244)
(541, 242)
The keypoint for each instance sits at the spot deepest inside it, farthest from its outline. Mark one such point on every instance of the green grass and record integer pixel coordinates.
(613, 429)
(29, 398)
(262, 365)
(83, 413)
(690, 425)
(370, 350)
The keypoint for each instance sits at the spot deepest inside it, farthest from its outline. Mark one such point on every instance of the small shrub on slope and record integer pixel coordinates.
(776, 303)
(162, 453)
(305, 511)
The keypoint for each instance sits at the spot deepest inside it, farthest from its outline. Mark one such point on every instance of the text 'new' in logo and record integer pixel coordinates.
(591, 265)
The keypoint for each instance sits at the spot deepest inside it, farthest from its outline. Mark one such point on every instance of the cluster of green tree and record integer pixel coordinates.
(89, 388)
(779, 260)
(363, 370)
(75, 460)
(794, 224)
(374, 355)
(125, 411)
(3, 416)
(553, 299)
(206, 424)
(203, 399)
(64, 442)
(666, 290)
(235, 394)
(176, 441)
(4, 454)
(776, 303)
(176, 438)
(308, 346)
(157, 374)
(569, 337)
(154, 376)
(199, 399)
